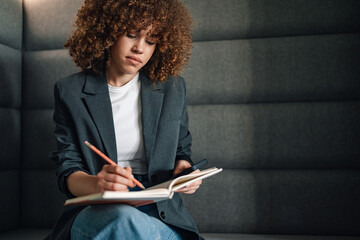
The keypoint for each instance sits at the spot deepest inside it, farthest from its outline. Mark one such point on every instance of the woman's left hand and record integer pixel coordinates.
(191, 188)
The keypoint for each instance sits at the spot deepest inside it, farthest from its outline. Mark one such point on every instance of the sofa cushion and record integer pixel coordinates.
(36, 234)
(228, 236)
(10, 199)
(287, 69)
(286, 201)
(25, 234)
(47, 25)
(44, 202)
(236, 19)
(12, 15)
(41, 70)
(277, 135)
(10, 72)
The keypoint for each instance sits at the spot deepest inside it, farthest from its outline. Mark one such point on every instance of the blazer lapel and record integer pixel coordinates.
(152, 99)
(98, 102)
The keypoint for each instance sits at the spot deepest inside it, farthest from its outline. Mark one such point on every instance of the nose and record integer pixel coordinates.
(138, 47)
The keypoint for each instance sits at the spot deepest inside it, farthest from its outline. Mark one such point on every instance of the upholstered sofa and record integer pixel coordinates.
(274, 100)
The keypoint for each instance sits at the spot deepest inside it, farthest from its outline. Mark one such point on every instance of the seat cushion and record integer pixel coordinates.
(25, 234)
(228, 236)
(40, 233)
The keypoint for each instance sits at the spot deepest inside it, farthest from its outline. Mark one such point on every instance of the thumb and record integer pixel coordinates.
(129, 170)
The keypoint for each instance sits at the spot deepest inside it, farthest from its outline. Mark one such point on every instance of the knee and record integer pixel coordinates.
(123, 214)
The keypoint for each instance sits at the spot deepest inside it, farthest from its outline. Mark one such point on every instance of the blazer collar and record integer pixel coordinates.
(151, 100)
(94, 83)
(98, 102)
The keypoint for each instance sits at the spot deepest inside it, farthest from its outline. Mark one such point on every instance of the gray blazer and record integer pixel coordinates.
(83, 112)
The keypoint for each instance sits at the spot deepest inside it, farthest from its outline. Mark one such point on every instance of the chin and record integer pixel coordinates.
(130, 71)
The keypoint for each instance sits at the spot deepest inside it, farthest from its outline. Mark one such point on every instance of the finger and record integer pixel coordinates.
(188, 189)
(194, 184)
(192, 188)
(178, 169)
(115, 178)
(128, 169)
(190, 192)
(110, 186)
(125, 172)
(180, 166)
(111, 174)
(197, 183)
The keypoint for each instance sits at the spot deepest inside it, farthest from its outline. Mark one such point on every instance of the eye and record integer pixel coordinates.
(150, 42)
(129, 35)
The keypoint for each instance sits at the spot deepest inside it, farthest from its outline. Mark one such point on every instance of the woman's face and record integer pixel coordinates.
(131, 52)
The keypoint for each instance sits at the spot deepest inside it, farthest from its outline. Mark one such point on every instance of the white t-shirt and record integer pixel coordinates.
(126, 108)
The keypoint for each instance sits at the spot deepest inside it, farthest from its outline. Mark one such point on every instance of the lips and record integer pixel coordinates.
(136, 59)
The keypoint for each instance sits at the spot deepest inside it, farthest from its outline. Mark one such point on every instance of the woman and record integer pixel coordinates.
(129, 102)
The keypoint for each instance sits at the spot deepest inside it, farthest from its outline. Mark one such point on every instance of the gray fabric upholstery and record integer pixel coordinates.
(309, 135)
(309, 68)
(274, 96)
(11, 19)
(37, 124)
(239, 19)
(41, 70)
(279, 201)
(47, 25)
(25, 233)
(10, 199)
(36, 234)
(222, 236)
(10, 114)
(10, 127)
(10, 84)
(36, 212)
(213, 19)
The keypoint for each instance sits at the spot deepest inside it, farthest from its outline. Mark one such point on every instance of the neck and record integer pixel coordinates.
(117, 80)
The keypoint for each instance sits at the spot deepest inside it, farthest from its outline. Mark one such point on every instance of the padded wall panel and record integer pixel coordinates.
(44, 202)
(41, 70)
(277, 69)
(32, 234)
(222, 236)
(48, 23)
(10, 80)
(10, 199)
(10, 139)
(288, 135)
(235, 19)
(38, 139)
(279, 201)
(11, 18)
(214, 20)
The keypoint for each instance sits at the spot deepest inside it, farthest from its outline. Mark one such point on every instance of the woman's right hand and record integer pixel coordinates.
(114, 178)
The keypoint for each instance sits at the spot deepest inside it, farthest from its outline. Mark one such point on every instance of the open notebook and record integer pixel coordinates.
(153, 194)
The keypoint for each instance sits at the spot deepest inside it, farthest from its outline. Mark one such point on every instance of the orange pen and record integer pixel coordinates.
(111, 162)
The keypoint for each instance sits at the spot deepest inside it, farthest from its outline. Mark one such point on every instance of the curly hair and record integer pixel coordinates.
(100, 22)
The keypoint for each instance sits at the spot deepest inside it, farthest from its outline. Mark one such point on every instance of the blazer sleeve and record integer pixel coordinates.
(68, 157)
(184, 145)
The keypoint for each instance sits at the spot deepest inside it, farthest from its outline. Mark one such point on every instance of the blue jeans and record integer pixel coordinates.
(120, 221)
